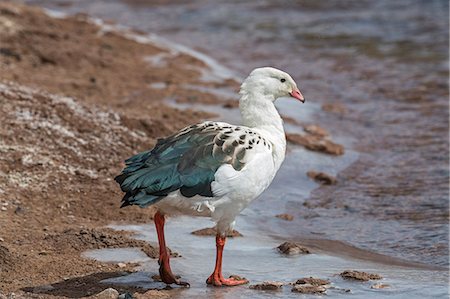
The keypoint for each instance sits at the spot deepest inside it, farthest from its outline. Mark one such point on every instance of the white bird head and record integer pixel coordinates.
(269, 81)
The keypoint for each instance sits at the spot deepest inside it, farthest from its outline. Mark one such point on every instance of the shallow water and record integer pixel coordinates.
(386, 61)
(262, 262)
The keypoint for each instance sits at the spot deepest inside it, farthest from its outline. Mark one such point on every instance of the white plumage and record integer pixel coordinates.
(214, 169)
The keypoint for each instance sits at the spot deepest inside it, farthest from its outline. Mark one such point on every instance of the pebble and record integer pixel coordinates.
(291, 248)
(267, 285)
(3, 208)
(308, 289)
(322, 177)
(108, 293)
(359, 275)
(380, 285)
(287, 217)
(121, 265)
(312, 281)
(316, 130)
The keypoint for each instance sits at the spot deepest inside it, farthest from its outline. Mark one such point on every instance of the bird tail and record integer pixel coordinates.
(144, 183)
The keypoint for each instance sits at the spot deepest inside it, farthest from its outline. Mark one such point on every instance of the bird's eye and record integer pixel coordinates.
(283, 80)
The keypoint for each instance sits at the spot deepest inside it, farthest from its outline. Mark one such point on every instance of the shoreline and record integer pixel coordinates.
(131, 115)
(67, 130)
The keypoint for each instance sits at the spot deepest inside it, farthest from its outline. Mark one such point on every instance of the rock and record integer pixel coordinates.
(267, 285)
(316, 130)
(121, 265)
(358, 275)
(316, 143)
(109, 293)
(321, 177)
(312, 281)
(211, 231)
(308, 289)
(287, 217)
(380, 285)
(126, 295)
(153, 294)
(292, 248)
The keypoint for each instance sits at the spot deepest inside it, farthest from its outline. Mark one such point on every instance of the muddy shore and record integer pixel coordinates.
(75, 100)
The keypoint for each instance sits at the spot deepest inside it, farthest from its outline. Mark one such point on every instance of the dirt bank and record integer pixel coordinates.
(75, 100)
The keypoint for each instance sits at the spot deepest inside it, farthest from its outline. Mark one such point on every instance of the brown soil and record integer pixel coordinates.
(82, 239)
(211, 231)
(358, 275)
(291, 248)
(75, 101)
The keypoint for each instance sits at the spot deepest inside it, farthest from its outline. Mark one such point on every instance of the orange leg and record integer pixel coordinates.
(164, 264)
(216, 277)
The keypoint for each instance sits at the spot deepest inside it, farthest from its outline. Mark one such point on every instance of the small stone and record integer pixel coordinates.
(287, 217)
(312, 281)
(109, 293)
(267, 285)
(4, 209)
(19, 210)
(126, 295)
(292, 248)
(380, 285)
(211, 231)
(321, 177)
(316, 143)
(152, 294)
(308, 289)
(2, 240)
(359, 275)
(121, 265)
(316, 130)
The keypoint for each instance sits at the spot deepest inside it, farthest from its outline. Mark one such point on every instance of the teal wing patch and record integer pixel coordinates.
(186, 161)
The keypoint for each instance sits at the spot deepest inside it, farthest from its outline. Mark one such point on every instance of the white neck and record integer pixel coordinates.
(261, 115)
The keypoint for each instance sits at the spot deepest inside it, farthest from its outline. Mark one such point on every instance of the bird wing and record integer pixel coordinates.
(187, 161)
